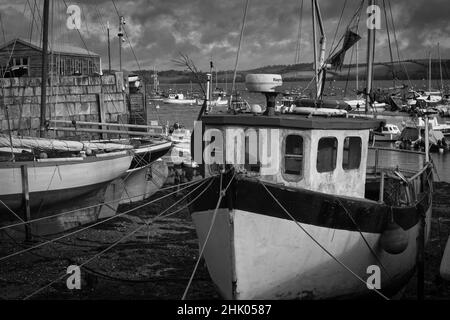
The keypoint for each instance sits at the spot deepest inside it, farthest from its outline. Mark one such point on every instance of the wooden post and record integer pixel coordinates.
(44, 71)
(420, 259)
(101, 114)
(381, 198)
(26, 200)
(376, 160)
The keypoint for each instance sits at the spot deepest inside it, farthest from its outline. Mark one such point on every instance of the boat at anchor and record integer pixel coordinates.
(300, 206)
(326, 210)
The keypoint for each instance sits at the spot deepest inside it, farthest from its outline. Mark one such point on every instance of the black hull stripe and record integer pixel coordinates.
(309, 207)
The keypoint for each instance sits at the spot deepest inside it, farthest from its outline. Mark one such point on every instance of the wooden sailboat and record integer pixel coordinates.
(310, 220)
(38, 173)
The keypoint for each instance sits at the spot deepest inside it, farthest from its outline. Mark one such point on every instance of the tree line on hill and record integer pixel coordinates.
(408, 69)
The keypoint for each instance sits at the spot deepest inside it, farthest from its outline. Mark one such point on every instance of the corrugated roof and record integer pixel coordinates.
(58, 47)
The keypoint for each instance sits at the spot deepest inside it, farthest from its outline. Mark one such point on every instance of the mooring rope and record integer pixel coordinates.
(219, 200)
(318, 243)
(364, 238)
(10, 210)
(91, 226)
(94, 206)
(117, 242)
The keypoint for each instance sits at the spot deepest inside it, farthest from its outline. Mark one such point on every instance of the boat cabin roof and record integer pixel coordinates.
(292, 121)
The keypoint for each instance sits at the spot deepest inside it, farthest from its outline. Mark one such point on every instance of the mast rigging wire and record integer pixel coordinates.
(233, 87)
(90, 207)
(320, 245)
(115, 244)
(90, 226)
(219, 200)
(397, 46)
(126, 36)
(299, 35)
(389, 43)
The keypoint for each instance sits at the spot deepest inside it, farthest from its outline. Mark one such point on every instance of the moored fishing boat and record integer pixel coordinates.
(324, 214)
(388, 133)
(413, 135)
(178, 98)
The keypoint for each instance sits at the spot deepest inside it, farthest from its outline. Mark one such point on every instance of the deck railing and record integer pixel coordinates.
(405, 166)
(409, 161)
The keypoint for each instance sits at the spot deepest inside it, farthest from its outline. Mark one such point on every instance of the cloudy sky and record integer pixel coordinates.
(159, 30)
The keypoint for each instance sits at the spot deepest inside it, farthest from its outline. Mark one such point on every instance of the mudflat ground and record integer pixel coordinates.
(157, 261)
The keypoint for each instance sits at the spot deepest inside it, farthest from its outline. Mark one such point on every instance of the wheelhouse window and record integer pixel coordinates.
(293, 155)
(251, 155)
(327, 154)
(352, 153)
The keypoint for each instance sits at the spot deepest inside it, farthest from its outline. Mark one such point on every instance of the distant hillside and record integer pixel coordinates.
(412, 69)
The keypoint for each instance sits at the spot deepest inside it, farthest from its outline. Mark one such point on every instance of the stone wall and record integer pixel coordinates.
(68, 98)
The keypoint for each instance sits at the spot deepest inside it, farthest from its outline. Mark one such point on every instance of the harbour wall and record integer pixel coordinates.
(79, 98)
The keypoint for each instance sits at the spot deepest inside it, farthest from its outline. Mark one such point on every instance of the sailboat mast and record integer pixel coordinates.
(319, 60)
(357, 68)
(440, 68)
(315, 65)
(109, 47)
(120, 34)
(370, 55)
(429, 72)
(44, 67)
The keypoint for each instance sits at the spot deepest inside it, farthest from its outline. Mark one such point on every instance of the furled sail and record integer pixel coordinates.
(60, 145)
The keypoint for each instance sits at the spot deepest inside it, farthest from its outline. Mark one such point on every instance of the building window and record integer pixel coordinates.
(352, 153)
(19, 67)
(85, 67)
(71, 66)
(293, 155)
(326, 154)
(77, 67)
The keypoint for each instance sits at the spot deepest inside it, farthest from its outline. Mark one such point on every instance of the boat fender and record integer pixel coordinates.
(256, 108)
(394, 239)
(43, 155)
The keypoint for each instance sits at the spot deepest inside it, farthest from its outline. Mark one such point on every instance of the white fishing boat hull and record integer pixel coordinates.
(252, 256)
(141, 183)
(179, 101)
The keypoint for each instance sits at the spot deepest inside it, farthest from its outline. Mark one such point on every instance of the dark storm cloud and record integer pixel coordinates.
(160, 29)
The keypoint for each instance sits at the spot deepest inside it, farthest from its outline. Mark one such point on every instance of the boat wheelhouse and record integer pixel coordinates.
(388, 132)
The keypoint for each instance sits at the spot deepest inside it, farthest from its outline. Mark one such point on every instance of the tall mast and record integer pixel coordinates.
(120, 34)
(109, 48)
(429, 72)
(315, 64)
(370, 56)
(44, 70)
(318, 61)
(357, 68)
(440, 68)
